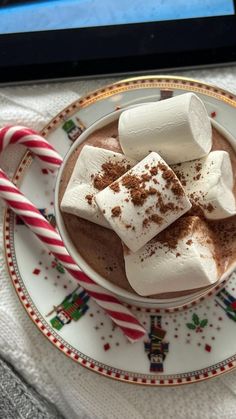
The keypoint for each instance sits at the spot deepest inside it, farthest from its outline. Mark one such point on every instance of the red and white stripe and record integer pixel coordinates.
(33, 141)
(121, 316)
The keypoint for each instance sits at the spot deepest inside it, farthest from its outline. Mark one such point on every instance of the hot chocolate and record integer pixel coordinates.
(102, 248)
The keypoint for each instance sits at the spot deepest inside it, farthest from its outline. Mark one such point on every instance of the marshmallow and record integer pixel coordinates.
(181, 258)
(178, 129)
(143, 202)
(88, 177)
(209, 183)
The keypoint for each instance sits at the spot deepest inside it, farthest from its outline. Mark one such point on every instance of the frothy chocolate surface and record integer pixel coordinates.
(101, 247)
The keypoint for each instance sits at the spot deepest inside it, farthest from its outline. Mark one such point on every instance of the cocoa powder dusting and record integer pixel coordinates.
(156, 219)
(162, 166)
(130, 181)
(162, 206)
(145, 222)
(152, 191)
(128, 226)
(168, 175)
(181, 228)
(196, 209)
(177, 189)
(171, 179)
(224, 235)
(116, 211)
(154, 171)
(89, 199)
(138, 196)
(115, 187)
(137, 190)
(209, 208)
(198, 176)
(145, 177)
(198, 167)
(179, 174)
(175, 232)
(111, 172)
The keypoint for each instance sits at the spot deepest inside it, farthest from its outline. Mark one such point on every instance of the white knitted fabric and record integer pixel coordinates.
(77, 392)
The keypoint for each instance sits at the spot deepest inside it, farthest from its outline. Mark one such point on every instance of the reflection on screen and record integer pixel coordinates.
(29, 16)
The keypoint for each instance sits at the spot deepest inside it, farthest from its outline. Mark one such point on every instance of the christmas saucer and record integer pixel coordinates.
(183, 345)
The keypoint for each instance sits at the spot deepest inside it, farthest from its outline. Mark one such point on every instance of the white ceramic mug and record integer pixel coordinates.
(129, 297)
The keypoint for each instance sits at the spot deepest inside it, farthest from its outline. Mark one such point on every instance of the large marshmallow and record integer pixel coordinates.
(143, 202)
(78, 198)
(209, 182)
(178, 129)
(159, 268)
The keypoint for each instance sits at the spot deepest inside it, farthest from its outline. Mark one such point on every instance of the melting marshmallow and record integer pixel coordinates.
(209, 182)
(88, 178)
(162, 265)
(178, 129)
(143, 202)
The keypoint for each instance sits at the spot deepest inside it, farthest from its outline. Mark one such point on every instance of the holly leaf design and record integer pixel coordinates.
(191, 326)
(195, 319)
(203, 323)
(60, 269)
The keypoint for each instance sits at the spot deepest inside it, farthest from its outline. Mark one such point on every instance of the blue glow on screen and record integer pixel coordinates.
(63, 14)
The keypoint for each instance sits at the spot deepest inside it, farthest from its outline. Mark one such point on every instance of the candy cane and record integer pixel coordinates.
(49, 236)
(33, 141)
